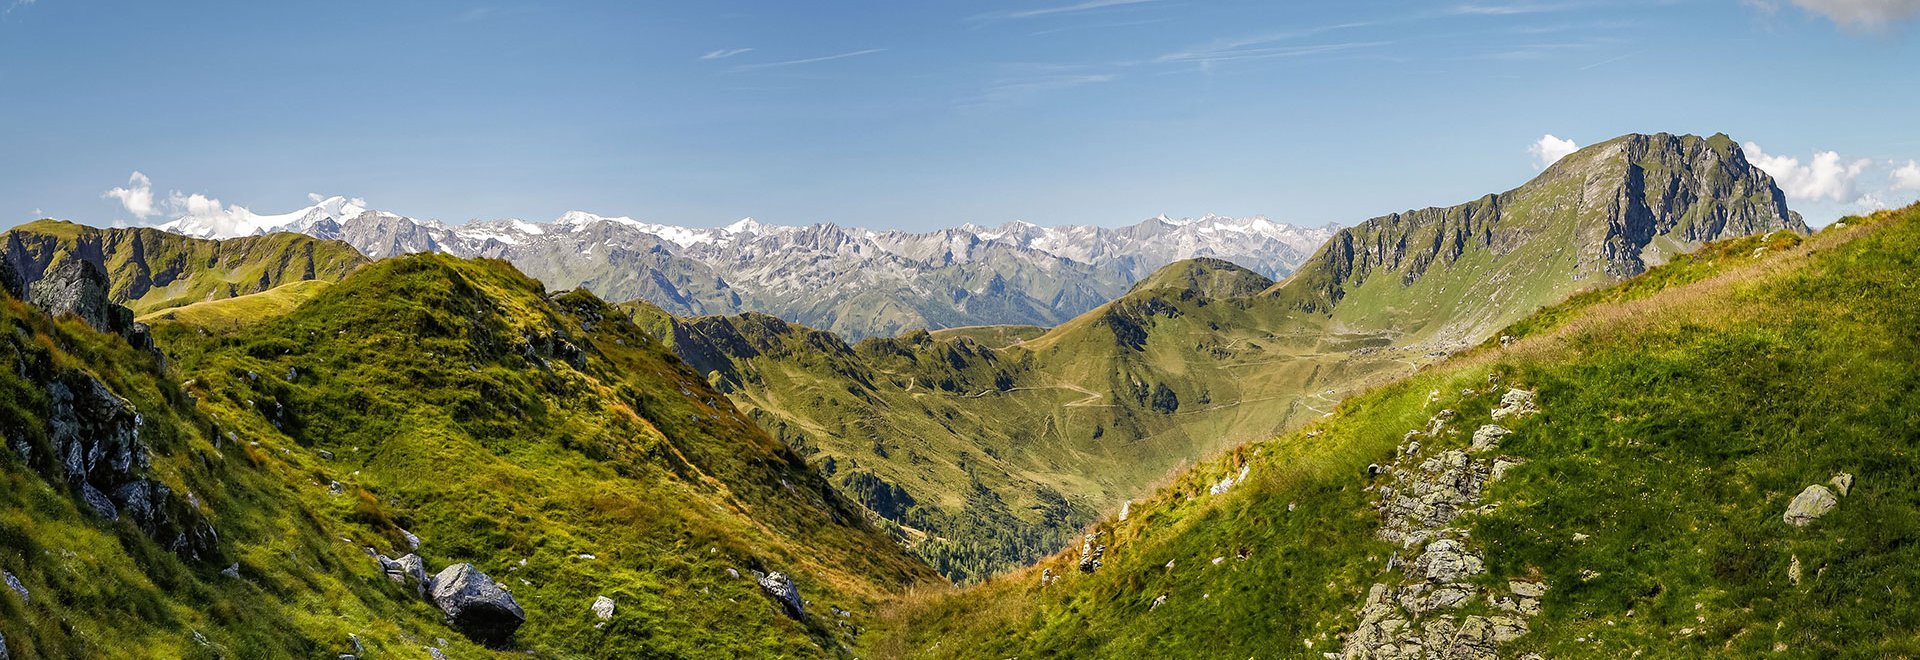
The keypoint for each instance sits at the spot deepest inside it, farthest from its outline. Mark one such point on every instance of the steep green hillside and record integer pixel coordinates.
(1638, 504)
(151, 270)
(453, 404)
(1202, 355)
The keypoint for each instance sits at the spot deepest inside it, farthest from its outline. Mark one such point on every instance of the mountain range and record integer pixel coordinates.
(1632, 406)
(857, 282)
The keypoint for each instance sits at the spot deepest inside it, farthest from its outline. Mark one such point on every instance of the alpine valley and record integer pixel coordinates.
(1632, 407)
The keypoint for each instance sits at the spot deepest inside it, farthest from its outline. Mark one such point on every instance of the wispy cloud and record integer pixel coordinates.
(1510, 8)
(810, 60)
(1088, 5)
(1264, 46)
(16, 4)
(1096, 26)
(725, 53)
(1011, 91)
(475, 14)
(1605, 62)
(1868, 14)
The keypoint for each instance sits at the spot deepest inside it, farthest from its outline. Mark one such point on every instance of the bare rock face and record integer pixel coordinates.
(783, 591)
(1090, 553)
(78, 287)
(477, 606)
(98, 451)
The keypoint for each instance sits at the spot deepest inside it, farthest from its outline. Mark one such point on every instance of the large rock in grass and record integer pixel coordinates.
(1810, 504)
(477, 606)
(783, 591)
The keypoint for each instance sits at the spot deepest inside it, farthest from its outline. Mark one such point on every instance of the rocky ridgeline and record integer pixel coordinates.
(1416, 611)
(96, 440)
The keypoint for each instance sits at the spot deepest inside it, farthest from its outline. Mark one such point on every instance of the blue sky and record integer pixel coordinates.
(925, 113)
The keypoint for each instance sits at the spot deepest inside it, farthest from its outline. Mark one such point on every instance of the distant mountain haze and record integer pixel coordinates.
(853, 281)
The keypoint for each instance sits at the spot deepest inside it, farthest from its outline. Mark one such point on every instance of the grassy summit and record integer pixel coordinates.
(1679, 413)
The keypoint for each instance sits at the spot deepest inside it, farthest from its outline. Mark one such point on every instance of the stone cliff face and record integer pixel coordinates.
(1635, 201)
(1685, 189)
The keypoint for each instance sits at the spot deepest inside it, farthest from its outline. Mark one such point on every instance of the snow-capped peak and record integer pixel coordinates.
(206, 217)
(745, 226)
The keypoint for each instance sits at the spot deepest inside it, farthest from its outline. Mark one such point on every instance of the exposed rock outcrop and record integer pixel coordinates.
(477, 606)
(1090, 552)
(13, 582)
(783, 591)
(407, 570)
(98, 451)
(1415, 611)
(78, 287)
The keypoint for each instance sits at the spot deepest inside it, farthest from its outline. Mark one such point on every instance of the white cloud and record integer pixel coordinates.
(201, 206)
(1907, 177)
(725, 53)
(1549, 150)
(137, 197)
(1862, 13)
(1827, 177)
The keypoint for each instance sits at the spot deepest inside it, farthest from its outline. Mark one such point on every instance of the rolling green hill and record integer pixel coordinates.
(1638, 499)
(1202, 355)
(150, 270)
(421, 400)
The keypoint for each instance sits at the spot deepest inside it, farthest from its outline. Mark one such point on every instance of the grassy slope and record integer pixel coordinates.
(151, 270)
(234, 313)
(1681, 411)
(992, 336)
(444, 393)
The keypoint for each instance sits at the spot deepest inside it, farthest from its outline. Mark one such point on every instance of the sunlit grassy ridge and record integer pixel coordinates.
(151, 270)
(233, 313)
(1681, 411)
(458, 401)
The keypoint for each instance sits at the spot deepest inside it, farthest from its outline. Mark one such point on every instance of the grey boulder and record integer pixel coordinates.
(1809, 505)
(477, 606)
(783, 591)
